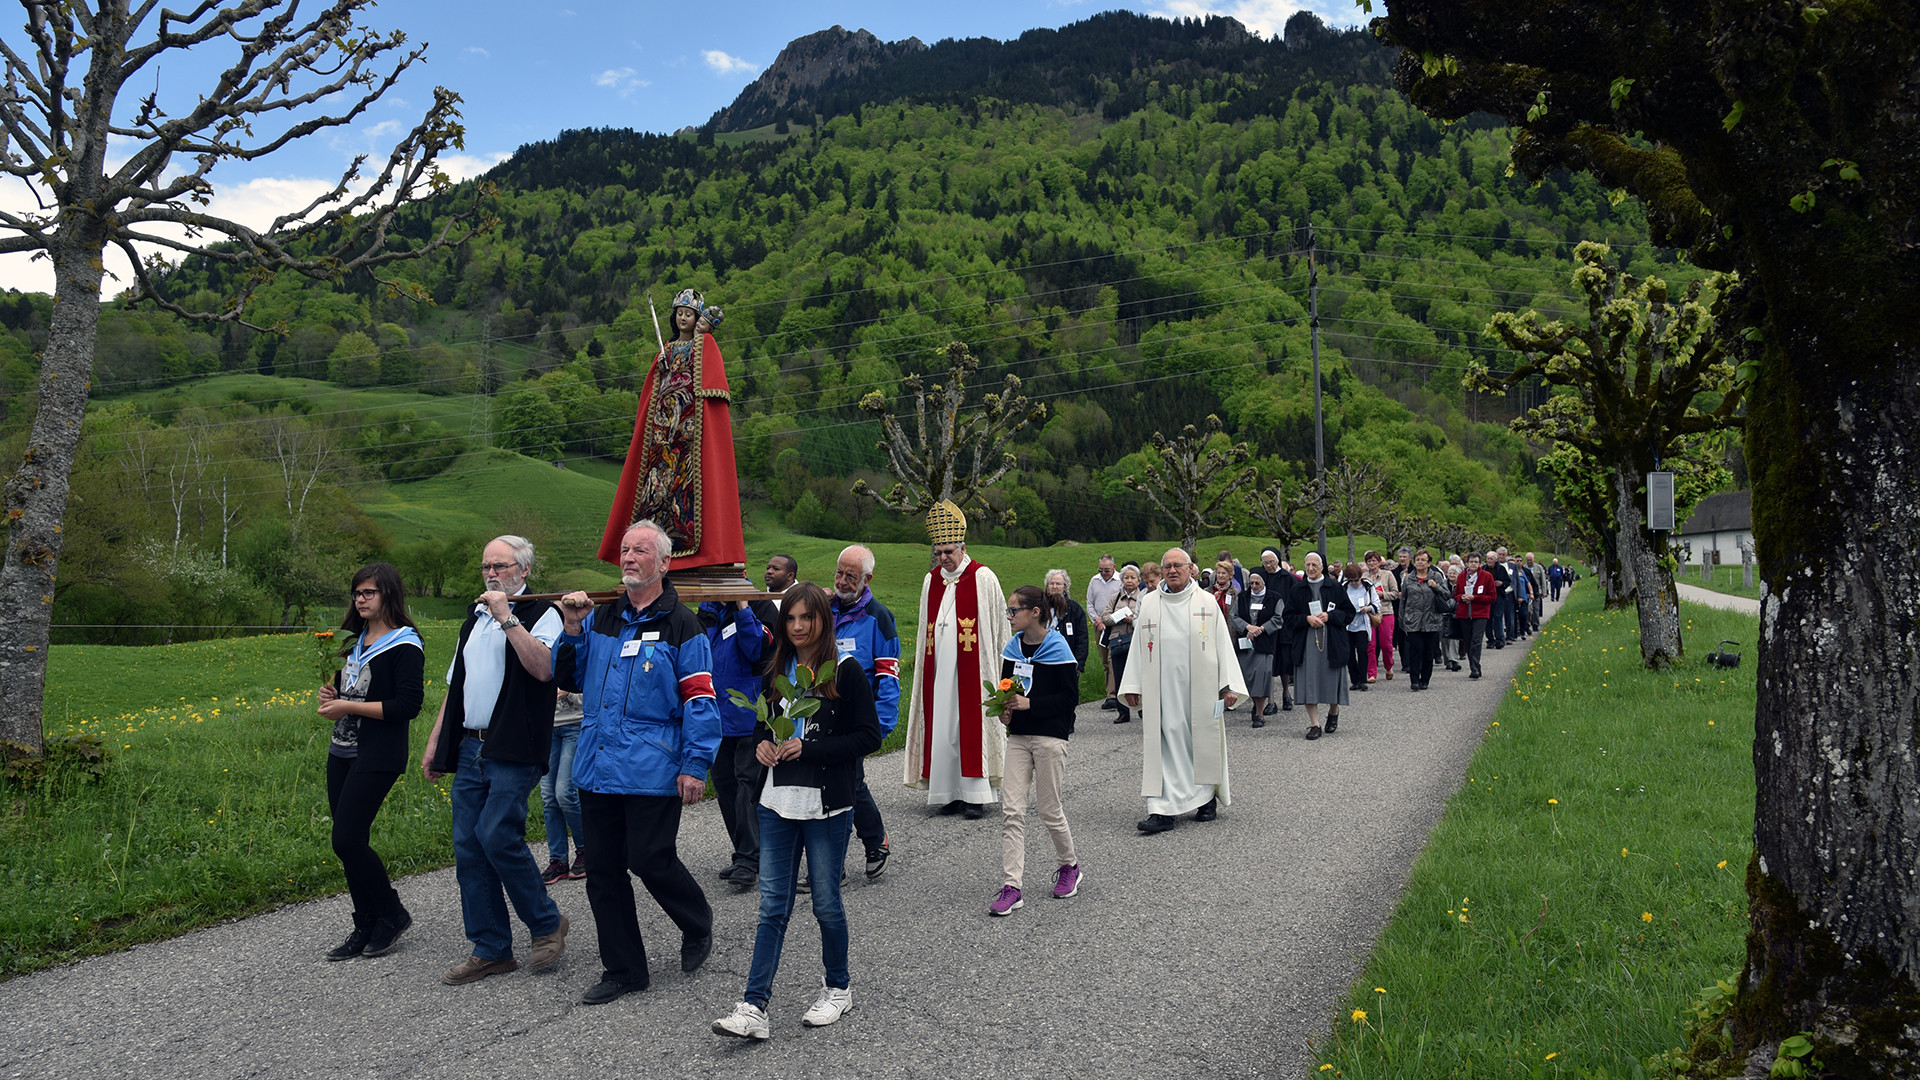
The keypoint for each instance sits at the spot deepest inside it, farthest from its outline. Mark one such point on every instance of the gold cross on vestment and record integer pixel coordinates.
(929, 639)
(968, 639)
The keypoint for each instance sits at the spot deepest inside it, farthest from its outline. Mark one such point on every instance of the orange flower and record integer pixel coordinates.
(1006, 684)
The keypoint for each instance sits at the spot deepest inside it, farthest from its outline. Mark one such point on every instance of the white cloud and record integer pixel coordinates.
(723, 64)
(476, 50)
(1263, 17)
(383, 128)
(254, 203)
(613, 77)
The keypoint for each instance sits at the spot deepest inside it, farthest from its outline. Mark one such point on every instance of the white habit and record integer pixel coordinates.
(1181, 660)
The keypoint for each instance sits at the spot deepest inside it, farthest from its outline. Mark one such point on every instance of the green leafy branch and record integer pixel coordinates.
(799, 699)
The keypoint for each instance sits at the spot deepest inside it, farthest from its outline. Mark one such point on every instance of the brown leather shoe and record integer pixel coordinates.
(548, 947)
(473, 969)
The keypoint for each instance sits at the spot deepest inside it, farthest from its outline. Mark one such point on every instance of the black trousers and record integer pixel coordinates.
(353, 798)
(866, 813)
(1422, 647)
(1476, 634)
(737, 778)
(637, 833)
(1357, 642)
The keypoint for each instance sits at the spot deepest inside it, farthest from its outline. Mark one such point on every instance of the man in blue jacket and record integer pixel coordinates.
(864, 628)
(738, 640)
(651, 730)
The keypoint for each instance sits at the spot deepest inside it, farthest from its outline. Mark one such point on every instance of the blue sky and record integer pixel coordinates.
(596, 63)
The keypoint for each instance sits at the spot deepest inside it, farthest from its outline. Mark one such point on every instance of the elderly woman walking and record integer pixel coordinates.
(1426, 604)
(1118, 619)
(1319, 613)
(1257, 619)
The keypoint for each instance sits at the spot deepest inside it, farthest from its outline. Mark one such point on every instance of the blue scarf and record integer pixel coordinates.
(844, 616)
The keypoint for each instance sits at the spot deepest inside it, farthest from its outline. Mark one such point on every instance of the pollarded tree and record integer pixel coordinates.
(1634, 376)
(1280, 512)
(1191, 480)
(957, 457)
(1779, 141)
(69, 89)
(1354, 493)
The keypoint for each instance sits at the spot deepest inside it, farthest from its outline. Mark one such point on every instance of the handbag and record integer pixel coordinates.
(1373, 617)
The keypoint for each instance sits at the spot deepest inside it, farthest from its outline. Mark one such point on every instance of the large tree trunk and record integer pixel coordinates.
(36, 494)
(1834, 944)
(1644, 555)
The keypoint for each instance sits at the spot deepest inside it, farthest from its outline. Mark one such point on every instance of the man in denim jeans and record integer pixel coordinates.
(495, 733)
(559, 799)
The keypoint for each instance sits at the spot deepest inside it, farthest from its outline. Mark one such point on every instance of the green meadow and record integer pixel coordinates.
(1586, 882)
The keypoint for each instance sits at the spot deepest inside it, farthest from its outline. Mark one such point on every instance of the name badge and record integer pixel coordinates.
(1256, 606)
(629, 648)
(650, 635)
(1478, 589)
(728, 631)
(1023, 670)
(846, 645)
(1069, 629)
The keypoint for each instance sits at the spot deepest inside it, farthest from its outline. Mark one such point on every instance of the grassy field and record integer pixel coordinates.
(453, 411)
(1586, 881)
(1725, 579)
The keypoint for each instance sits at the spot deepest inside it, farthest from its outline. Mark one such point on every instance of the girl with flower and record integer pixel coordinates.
(1046, 683)
(807, 802)
(370, 701)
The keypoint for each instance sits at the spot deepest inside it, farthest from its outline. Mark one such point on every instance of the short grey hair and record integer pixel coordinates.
(866, 556)
(1066, 578)
(664, 541)
(522, 550)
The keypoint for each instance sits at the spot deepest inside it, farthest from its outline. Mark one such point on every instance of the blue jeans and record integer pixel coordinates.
(781, 840)
(559, 799)
(490, 856)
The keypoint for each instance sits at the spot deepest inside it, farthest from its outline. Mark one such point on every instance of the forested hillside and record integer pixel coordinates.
(1136, 250)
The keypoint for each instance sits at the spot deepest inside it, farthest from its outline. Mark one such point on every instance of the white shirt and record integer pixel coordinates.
(486, 657)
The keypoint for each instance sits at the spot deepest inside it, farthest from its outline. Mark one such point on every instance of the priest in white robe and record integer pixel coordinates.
(954, 749)
(1182, 674)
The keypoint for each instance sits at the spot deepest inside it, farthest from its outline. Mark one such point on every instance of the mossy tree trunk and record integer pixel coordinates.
(1655, 599)
(1781, 141)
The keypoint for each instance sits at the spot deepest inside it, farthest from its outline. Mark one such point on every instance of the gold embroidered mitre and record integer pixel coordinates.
(946, 524)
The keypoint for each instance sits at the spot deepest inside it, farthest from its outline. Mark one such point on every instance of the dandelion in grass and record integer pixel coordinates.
(1553, 802)
(1646, 916)
(1553, 1055)
(1722, 865)
(1359, 1016)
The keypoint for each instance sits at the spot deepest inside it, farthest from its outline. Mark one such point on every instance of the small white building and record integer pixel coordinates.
(1720, 524)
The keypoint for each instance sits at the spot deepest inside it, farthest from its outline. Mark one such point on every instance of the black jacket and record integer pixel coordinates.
(397, 680)
(845, 730)
(1270, 617)
(521, 730)
(1051, 700)
(1333, 598)
(1073, 627)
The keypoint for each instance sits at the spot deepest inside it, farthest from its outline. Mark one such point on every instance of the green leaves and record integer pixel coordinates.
(1802, 202)
(1794, 1058)
(1539, 107)
(1617, 93)
(799, 695)
(1733, 116)
(1849, 170)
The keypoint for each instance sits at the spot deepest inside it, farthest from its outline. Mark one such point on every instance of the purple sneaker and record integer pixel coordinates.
(1066, 881)
(1007, 902)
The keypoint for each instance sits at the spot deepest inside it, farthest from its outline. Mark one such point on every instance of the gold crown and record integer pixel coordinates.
(946, 524)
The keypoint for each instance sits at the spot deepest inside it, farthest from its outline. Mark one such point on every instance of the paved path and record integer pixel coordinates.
(1217, 950)
(1694, 594)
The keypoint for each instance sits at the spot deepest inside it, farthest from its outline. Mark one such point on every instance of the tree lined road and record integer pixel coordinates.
(1218, 950)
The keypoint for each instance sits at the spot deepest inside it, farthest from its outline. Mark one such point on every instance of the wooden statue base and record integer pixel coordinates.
(726, 581)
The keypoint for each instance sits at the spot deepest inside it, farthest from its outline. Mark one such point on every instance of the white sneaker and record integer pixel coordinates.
(830, 1006)
(749, 1021)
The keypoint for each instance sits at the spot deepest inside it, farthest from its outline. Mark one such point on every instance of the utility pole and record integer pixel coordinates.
(1319, 417)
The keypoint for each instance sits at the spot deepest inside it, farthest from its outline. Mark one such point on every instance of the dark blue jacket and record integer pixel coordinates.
(738, 640)
(872, 638)
(646, 679)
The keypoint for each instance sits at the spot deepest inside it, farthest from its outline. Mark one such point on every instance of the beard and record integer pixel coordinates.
(846, 597)
(635, 581)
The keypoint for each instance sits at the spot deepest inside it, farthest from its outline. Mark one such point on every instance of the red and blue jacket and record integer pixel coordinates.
(865, 630)
(646, 682)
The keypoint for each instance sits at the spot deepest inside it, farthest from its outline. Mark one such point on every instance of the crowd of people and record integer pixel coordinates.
(620, 712)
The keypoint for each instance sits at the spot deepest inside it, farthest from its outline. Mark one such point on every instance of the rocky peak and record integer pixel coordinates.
(806, 64)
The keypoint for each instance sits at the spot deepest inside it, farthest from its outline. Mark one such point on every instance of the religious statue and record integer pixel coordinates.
(680, 470)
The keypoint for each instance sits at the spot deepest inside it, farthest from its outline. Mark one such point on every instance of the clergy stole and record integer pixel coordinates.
(1206, 632)
(966, 614)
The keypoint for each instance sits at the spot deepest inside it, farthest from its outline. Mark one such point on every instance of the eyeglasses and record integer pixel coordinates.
(1012, 611)
(949, 550)
(365, 594)
(496, 567)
